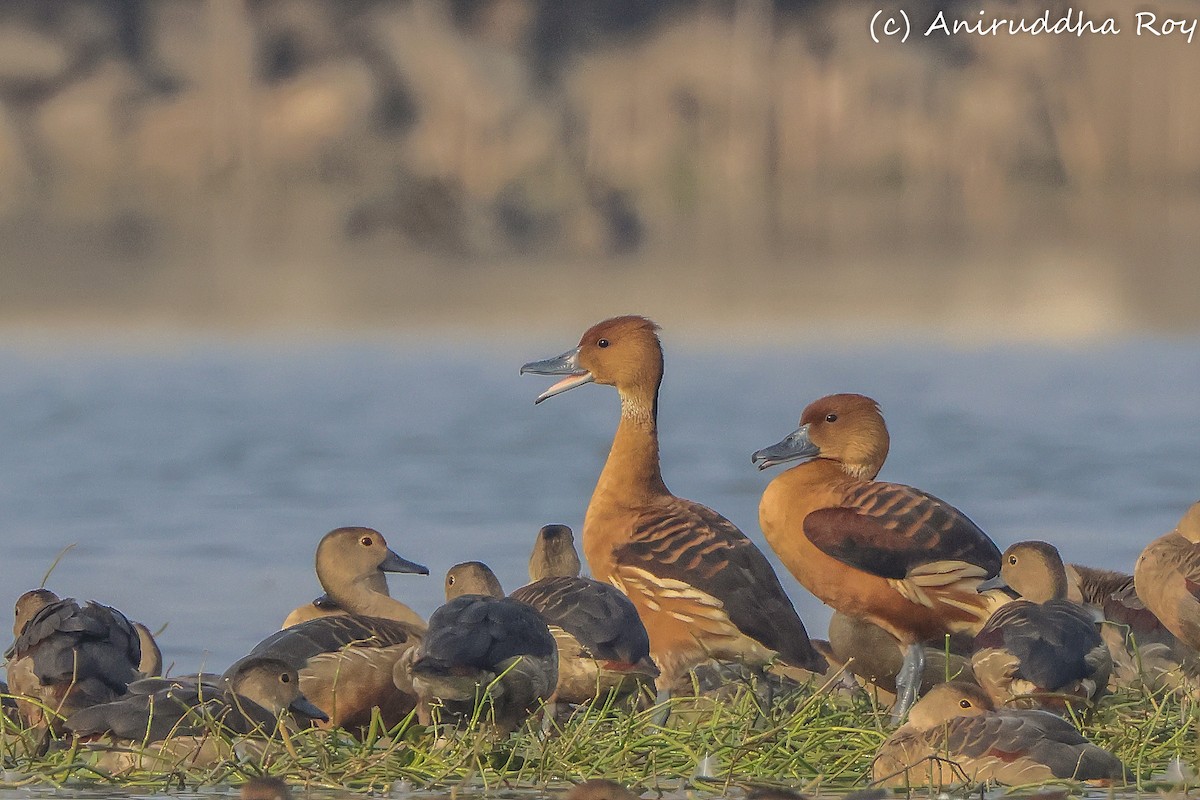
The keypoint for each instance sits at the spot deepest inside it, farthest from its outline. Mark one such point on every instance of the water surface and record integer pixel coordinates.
(196, 480)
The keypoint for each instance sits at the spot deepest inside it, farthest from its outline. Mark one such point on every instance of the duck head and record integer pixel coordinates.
(1034, 570)
(353, 558)
(554, 554)
(847, 429)
(946, 701)
(472, 577)
(623, 351)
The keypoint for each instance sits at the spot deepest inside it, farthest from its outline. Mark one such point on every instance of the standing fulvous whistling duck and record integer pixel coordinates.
(955, 733)
(1042, 649)
(888, 553)
(1167, 577)
(701, 587)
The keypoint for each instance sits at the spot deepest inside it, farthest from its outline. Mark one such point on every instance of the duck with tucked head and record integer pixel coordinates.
(482, 647)
(702, 589)
(603, 648)
(955, 732)
(346, 661)
(67, 657)
(888, 553)
(1042, 650)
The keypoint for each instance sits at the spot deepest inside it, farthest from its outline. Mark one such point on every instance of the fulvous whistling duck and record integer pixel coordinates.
(346, 661)
(876, 656)
(603, 647)
(702, 589)
(1043, 649)
(1167, 577)
(253, 695)
(888, 553)
(954, 733)
(482, 645)
(68, 657)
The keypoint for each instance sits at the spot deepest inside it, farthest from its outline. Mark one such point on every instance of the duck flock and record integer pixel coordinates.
(982, 650)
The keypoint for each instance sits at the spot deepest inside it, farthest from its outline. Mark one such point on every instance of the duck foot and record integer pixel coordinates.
(908, 681)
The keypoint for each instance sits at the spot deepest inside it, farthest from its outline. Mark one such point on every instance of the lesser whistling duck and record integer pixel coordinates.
(346, 661)
(603, 647)
(884, 552)
(253, 694)
(876, 656)
(1167, 577)
(1043, 649)
(68, 657)
(702, 589)
(955, 733)
(482, 647)
(1145, 654)
(321, 607)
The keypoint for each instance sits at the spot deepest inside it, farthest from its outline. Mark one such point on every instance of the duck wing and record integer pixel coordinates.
(297, 644)
(695, 546)
(599, 616)
(479, 632)
(888, 529)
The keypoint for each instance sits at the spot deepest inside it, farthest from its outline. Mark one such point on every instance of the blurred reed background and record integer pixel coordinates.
(741, 163)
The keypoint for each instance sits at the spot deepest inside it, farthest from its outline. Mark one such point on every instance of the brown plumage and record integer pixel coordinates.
(954, 734)
(876, 656)
(68, 657)
(1167, 578)
(482, 647)
(1041, 650)
(701, 587)
(346, 662)
(248, 700)
(885, 552)
(603, 647)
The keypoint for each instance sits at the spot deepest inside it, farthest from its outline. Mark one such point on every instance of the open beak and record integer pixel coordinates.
(394, 563)
(566, 364)
(302, 705)
(797, 445)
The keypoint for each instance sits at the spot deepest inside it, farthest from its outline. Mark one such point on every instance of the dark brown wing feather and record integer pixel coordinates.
(1036, 735)
(297, 644)
(599, 616)
(1051, 641)
(886, 529)
(84, 645)
(688, 542)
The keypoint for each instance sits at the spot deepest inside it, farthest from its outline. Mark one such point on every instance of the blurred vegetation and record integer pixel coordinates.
(369, 158)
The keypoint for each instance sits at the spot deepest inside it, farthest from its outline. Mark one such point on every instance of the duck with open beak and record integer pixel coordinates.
(565, 364)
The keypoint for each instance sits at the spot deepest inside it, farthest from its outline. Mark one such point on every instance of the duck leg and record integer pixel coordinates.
(908, 681)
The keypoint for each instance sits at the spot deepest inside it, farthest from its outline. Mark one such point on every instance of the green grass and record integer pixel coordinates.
(807, 739)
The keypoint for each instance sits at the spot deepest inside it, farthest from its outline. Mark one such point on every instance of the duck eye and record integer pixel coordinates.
(831, 417)
(602, 343)
(964, 703)
(449, 580)
(366, 541)
(1012, 560)
(285, 678)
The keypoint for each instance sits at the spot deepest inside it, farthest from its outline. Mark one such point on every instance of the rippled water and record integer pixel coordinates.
(196, 480)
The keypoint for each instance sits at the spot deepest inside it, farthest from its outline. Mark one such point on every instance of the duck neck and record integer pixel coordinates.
(364, 597)
(632, 470)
